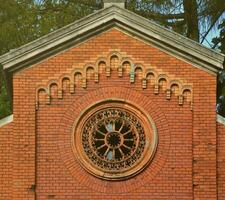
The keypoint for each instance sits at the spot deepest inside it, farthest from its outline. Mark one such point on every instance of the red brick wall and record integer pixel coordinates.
(66, 180)
(184, 166)
(221, 160)
(6, 162)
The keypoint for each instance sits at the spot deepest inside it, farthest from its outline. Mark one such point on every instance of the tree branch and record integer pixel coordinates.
(215, 44)
(212, 25)
(176, 23)
(58, 8)
(155, 15)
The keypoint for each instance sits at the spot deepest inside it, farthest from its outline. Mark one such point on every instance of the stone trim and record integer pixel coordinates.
(114, 169)
(220, 119)
(6, 120)
(173, 43)
(148, 75)
(114, 15)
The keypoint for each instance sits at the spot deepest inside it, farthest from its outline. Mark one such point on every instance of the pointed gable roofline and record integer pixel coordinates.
(104, 19)
(115, 16)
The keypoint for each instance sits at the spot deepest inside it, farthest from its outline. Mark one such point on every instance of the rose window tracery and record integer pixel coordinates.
(114, 140)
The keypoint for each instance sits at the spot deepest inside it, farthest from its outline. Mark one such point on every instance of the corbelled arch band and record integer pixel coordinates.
(148, 75)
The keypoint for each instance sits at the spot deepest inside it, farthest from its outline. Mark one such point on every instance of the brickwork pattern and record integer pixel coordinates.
(44, 169)
(149, 180)
(124, 65)
(221, 160)
(6, 162)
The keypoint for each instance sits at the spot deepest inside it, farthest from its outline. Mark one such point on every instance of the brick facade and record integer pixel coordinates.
(37, 161)
(221, 160)
(6, 165)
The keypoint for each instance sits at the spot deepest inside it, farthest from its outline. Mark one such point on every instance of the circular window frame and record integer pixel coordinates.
(147, 155)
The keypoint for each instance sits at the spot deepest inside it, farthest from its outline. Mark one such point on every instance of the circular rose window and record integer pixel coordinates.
(114, 140)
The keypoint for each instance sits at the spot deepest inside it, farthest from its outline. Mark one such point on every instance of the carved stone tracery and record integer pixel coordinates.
(113, 136)
(112, 141)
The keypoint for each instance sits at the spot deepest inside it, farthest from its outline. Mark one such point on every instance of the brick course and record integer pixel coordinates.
(221, 160)
(38, 142)
(6, 162)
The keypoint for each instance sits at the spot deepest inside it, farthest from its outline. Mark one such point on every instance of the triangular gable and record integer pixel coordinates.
(113, 16)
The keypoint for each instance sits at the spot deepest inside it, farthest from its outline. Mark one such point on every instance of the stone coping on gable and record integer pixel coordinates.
(221, 119)
(113, 16)
(6, 120)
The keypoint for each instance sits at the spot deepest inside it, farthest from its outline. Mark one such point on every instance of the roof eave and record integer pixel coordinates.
(208, 59)
(6, 120)
(221, 119)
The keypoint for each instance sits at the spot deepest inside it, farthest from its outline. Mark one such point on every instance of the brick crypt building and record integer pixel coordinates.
(112, 106)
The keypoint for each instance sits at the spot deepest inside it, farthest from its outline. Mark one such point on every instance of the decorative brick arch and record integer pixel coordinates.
(122, 64)
(66, 131)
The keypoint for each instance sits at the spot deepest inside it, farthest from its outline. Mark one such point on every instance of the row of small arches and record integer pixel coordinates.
(148, 76)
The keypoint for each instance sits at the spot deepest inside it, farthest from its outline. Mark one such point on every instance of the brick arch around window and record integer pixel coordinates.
(71, 162)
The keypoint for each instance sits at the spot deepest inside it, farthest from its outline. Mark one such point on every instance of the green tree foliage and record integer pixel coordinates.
(5, 108)
(192, 18)
(22, 21)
